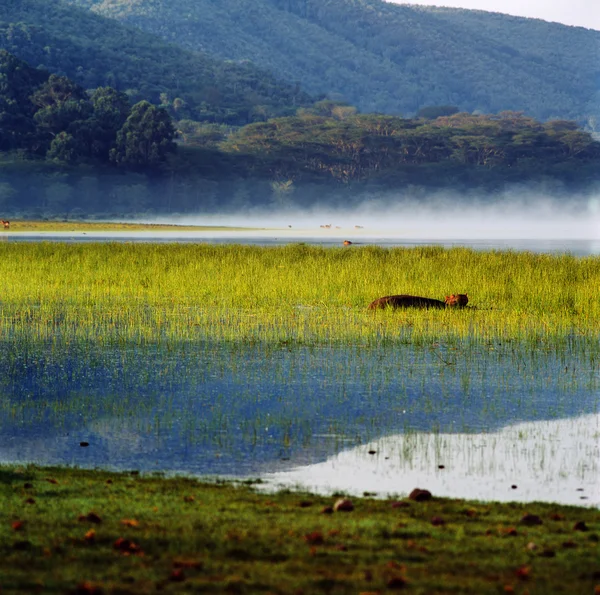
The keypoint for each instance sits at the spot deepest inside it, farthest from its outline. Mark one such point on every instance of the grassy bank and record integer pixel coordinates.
(295, 294)
(25, 225)
(73, 531)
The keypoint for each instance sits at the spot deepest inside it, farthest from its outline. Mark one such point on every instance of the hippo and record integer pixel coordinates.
(413, 301)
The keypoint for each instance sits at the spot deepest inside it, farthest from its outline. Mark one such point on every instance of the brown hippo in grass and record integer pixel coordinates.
(412, 301)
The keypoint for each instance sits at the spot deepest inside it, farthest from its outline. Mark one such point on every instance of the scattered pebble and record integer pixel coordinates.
(420, 495)
(343, 505)
(400, 504)
(314, 538)
(396, 582)
(523, 572)
(548, 553)
(177, 576)
(90, 517)
(531, 520)
(126, 546)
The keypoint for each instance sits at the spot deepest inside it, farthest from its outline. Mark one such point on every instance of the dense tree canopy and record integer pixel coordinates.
(146, 137)
(359, 147)
(49, 115)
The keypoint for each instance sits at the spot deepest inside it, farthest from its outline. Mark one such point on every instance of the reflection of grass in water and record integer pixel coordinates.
(275, 402)
(295, 295)
(540, 450)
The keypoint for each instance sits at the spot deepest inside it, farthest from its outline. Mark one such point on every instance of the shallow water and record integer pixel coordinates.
(278, 237)
(551, 461)
(309, 416)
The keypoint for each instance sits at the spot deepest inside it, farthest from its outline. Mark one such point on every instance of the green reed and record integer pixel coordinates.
(292, 294)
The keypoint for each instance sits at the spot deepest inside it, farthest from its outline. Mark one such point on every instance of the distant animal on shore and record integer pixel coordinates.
(347, 243)
(413, 301)
(5, 224)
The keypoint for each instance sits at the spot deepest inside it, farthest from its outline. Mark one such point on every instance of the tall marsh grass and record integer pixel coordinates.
(293, 294)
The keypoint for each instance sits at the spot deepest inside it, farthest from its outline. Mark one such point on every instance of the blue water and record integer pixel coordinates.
(576, 247)
(241, 410)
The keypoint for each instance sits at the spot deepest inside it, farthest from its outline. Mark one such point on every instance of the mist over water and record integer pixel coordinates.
(434, 219)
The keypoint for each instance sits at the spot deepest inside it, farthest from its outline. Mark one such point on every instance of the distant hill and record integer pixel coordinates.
(95, 51)
(389, 58)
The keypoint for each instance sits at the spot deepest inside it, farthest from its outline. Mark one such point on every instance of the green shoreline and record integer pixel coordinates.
(23, 225)
(66, 530)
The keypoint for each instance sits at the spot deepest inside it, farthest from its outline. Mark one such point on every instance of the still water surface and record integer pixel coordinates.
(271, 237)
(468, 422)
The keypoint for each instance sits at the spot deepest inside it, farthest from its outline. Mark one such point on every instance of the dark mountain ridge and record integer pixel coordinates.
(94, 51)
(387, 57)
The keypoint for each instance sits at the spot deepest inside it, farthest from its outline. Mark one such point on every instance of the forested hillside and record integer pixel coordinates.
(390, 58)
(70, 151)
(94, 51)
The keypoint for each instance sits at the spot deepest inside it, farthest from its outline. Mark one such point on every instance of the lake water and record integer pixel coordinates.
(464, 423)
(327, 238)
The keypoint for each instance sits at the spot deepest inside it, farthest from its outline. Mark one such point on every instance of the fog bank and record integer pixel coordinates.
(540, 219)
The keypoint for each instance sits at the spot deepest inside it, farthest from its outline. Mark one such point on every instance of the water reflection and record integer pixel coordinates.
(211, 409)
(551, 461)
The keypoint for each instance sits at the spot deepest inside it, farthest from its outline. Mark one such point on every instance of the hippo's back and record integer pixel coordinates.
(405, 301)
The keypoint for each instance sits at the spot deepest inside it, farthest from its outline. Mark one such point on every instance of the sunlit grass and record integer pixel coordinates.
(296, 294)
(72, 531)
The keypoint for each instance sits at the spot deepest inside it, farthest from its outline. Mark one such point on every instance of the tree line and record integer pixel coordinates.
(64, 149)
(332, 142)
